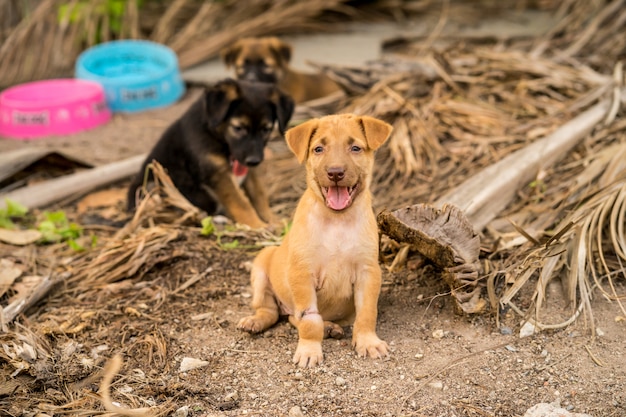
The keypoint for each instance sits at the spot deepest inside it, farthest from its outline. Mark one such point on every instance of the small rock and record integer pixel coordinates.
(528, 329)
(181, 412)
(551, 410)
(511, 348)
(231, 396)
(599, 332)
(436, 385)
(506, 331)
(340, 381)
(295, 411)
(438, 334)
(419, 356)
(187, 364)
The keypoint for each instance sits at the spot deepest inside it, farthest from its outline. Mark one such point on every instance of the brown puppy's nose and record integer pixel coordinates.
(335, 174)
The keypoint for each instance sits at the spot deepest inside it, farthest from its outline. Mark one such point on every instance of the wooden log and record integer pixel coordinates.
(51, 191)
(483, 196)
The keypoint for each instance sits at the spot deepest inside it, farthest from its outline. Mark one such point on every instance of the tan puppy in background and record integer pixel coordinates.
(326, 273)
(267, 59)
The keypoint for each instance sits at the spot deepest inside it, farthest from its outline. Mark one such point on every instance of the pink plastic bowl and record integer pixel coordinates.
(52, 107)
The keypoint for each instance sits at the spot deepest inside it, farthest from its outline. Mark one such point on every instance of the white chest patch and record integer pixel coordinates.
(339, 249)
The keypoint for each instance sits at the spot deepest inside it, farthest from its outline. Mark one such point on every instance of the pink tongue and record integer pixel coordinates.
(238, 169)
(338, 198)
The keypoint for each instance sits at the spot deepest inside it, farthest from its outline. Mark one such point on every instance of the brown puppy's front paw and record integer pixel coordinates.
(308, 354)
(370, 345)
(250, 324)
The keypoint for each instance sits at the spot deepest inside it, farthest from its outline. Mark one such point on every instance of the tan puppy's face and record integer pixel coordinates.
(339, 154)
(258, 59)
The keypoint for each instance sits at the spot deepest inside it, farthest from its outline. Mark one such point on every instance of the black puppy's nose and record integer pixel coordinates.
(335, 174)
(253, 161)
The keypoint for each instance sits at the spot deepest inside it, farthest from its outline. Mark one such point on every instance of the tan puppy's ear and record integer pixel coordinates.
(376, 131)
(230, 53)
(281, 50)
(299, 137)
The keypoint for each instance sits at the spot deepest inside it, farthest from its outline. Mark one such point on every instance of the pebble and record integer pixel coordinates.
(188, 364)
(340, 381)
(438, 334)
(527, 329)
(551, 410)
(181, 412)
(295, 411)
(436, 385)
(504, 330)
(231, 396)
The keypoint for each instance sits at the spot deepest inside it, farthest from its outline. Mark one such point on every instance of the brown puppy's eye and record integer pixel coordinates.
(318, 150)
(356, 149)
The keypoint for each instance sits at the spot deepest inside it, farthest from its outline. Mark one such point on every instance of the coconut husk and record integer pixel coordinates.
(447, 238)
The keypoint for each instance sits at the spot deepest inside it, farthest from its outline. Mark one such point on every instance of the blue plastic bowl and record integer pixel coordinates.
(136, 75)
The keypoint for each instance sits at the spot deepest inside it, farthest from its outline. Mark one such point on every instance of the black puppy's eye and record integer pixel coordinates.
(267, 129)
(238, 129)
(318, 150)
(355, 149)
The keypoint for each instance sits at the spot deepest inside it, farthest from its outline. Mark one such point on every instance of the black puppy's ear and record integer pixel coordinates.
(284, 109)
(218, 99)
(230, 53)
(281, 49)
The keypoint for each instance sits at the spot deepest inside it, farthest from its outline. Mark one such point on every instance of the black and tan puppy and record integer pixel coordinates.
(213, 151)
(267, 59)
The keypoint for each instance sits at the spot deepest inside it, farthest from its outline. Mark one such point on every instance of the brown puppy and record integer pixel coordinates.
(267, 59)
(326, 273)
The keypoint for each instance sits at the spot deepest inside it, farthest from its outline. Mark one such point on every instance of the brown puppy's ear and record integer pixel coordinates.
(230, 53)
(218, 99)
(281, 49)
(299, 137)
(376, 131)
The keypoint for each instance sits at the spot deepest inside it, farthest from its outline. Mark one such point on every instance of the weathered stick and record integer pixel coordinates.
(11, 311)
(483, 196)
(50, 191)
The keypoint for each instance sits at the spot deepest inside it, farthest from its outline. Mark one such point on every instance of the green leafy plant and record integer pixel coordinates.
(57, 228)
(107, 14)
(208, 227)
(12, 211)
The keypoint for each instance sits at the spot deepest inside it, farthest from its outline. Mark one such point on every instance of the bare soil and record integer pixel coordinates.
(441, 364)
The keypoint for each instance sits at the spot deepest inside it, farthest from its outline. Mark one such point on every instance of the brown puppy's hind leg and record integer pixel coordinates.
(333, 330)
(263, 301)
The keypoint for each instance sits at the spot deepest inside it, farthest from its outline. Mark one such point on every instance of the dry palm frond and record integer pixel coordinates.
(144, 241)
(587, 251)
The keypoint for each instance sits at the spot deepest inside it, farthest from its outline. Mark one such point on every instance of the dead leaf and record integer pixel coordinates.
(19, 237)
(25, 287)
(8, 274)
(104, 198)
